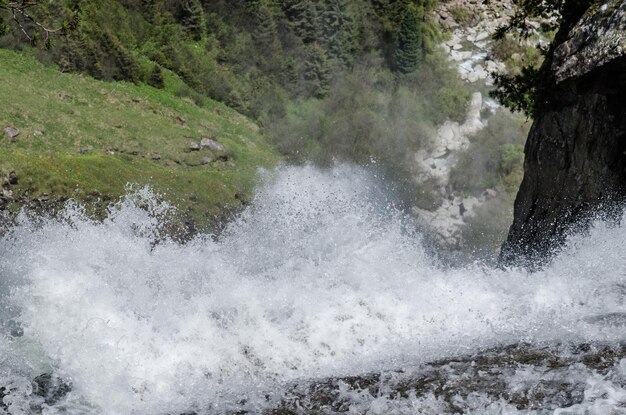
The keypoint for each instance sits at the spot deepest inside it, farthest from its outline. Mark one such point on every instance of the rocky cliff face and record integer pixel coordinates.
(575, 163)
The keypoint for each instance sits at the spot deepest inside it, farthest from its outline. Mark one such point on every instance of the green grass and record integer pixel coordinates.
(132, 133)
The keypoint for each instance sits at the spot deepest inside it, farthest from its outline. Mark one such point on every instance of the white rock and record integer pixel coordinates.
(481, 36)
(473, 122)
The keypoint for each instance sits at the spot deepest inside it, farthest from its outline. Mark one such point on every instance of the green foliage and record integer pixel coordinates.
(495, 157)
(326, 79)
(462, 15)
(372, 114)
(136, 133)
(518, 92)
(316, 71)
(529, 86)
(409, 50)
(416, 36)
(156, 77)
(191, 15)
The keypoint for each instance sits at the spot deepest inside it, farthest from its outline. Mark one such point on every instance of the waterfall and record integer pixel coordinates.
(321, 276)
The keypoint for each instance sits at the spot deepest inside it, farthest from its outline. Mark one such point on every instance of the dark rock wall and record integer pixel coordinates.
(575, 166)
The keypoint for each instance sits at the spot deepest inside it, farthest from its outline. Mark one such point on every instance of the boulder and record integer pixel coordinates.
(11, 132)
(85, 149)
(210, 144)
(51, 387)
(473, 122)
(575, 163)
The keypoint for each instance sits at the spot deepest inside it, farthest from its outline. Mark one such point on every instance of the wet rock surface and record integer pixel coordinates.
(520, 377)
(575, 166)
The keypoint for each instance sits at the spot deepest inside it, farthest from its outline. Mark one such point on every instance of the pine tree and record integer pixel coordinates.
(270, 53)
(266, 32)
(410, 38)
(303, 17)
(191, 15)
(156, 77)
(317, 71)
(339, 31)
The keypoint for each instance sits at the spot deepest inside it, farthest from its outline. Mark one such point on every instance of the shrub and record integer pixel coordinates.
(156, 77)
(495, 157)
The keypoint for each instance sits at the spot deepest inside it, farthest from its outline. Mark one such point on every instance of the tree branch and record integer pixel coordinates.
(19, 13)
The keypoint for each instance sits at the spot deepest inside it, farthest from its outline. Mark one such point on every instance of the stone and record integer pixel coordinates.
(85, 149)
(481, 36)
(12, 178)
(51, 387)
(598, 39)
(473, 122)
(206, 160)
(193, 146)
(155, 157)
(11, 132)
(7, 193)
(490, 193)
(210, 144)
(575, 168)
(37, 133)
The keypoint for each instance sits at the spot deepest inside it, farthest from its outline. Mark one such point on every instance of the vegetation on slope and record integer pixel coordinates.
(271, 59)
(85, 139)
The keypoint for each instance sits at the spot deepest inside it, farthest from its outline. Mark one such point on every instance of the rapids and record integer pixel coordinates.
(321, 276)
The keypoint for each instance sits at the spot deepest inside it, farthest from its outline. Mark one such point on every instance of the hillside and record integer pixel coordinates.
(84, 139)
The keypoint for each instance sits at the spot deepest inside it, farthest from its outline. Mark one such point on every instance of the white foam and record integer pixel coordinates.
(319, 277)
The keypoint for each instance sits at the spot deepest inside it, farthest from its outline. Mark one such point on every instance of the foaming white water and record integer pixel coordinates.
(318, 277)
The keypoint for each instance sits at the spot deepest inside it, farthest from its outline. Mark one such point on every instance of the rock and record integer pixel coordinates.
(11, 132)
(193, 146)
(481, 36)
(490, 193)
(51, 388)
(11, 178)
(460, 56)
(457, 381)
(597, 39)
(7, 194)
(155, 157)
(15, 328)
(575, 165)
(473, 122)
(37, 133)
(206, 160)
(207, 143)
(85, 149)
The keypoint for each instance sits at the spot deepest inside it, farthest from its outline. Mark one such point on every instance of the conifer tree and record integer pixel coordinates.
(317, 71)
(409, 45)
(303, 16)
(191, 15)
(156, 77)
(338, 31)
(270, 56)
(266, 32)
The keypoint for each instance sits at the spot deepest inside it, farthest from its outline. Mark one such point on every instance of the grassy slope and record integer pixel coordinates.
(139, 135)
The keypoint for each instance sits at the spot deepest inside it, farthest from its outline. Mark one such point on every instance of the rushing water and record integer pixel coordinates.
(319, 277)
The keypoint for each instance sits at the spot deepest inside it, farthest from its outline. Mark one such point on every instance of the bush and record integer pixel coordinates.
(495, 157)
(462, 15)
(156, 77)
